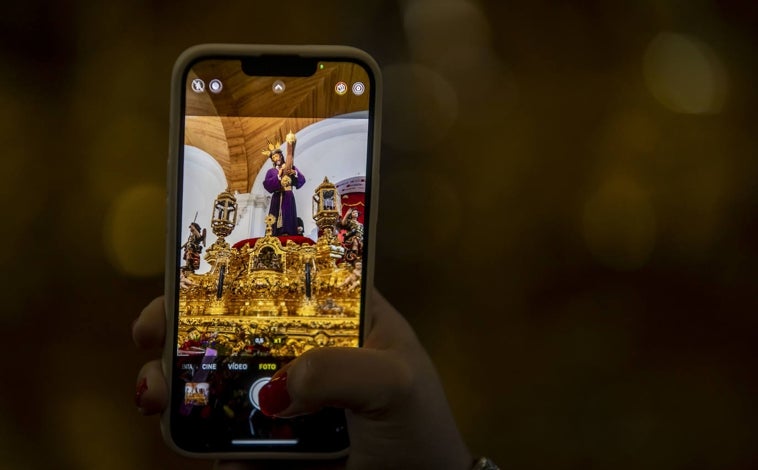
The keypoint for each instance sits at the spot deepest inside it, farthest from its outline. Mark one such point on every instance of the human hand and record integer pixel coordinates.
(398, 416)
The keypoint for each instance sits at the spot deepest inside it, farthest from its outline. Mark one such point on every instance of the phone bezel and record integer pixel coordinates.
(176, 132)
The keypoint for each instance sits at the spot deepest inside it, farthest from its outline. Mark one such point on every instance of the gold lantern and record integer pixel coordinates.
(220, 253)
(327, 207)
(224, 214)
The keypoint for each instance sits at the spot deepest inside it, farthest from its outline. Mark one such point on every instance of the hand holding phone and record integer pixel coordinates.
(249, 297)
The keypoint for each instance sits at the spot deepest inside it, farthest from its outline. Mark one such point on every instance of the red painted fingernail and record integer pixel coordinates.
(141, 389)
(274, 397)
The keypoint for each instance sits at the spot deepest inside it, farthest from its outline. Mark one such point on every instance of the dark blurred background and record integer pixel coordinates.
(569, 218)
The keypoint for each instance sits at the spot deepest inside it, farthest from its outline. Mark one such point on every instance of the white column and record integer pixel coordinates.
(259, 205)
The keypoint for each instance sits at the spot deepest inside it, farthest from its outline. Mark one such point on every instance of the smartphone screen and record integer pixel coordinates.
(272, 195)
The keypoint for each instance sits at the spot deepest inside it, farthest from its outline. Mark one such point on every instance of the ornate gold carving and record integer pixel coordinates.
(256, 296)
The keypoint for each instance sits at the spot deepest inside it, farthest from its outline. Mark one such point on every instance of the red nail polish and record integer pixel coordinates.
(274, 397)
(141, 389)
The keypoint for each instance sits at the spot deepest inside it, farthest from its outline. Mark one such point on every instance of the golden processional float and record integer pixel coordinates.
(268, 298)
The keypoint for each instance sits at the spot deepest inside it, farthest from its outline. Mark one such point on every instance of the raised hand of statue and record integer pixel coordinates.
(291, 141)
(290, 150)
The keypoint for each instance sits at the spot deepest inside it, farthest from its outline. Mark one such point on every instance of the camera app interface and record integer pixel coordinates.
(273, 193)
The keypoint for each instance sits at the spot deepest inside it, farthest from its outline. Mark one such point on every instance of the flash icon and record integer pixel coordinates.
(198, 86)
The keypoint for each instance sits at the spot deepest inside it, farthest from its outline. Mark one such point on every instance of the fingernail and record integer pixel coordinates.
(141, 389)
(274, 397)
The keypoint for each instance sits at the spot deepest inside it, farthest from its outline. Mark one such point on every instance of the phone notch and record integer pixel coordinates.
(279, 65)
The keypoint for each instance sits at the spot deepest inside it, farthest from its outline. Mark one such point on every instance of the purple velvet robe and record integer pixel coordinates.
(283, 202)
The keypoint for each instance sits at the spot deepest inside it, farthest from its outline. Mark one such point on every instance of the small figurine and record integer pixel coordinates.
(184, 281)
(352, 240)
(330, 307)
(193, 247)
(329, 200)
(354, 279)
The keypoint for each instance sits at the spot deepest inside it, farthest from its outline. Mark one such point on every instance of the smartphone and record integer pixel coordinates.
(272, 180)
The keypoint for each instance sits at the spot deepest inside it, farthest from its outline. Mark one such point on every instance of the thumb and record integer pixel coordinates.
(362, 380)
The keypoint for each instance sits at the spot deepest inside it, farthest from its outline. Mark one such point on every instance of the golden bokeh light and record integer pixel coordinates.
(439, 202)
(454, 38)
(619, 224)
(88, 436)
(421, 106)
(134, 232)
(628, 136)
(117, 154)
(24, 201)
(434, 27)
(684, 74)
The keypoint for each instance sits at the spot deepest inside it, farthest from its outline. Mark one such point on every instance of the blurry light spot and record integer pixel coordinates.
(694, 188)
(619, 225)
(454, 38)
(22, 187)
(684, 74)
(25, 193)
(421, 106)
(434, 26)
(134, 231)
(435, 212)
(481, 80)
(627, 135)
(119, 153)
(89, 431)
